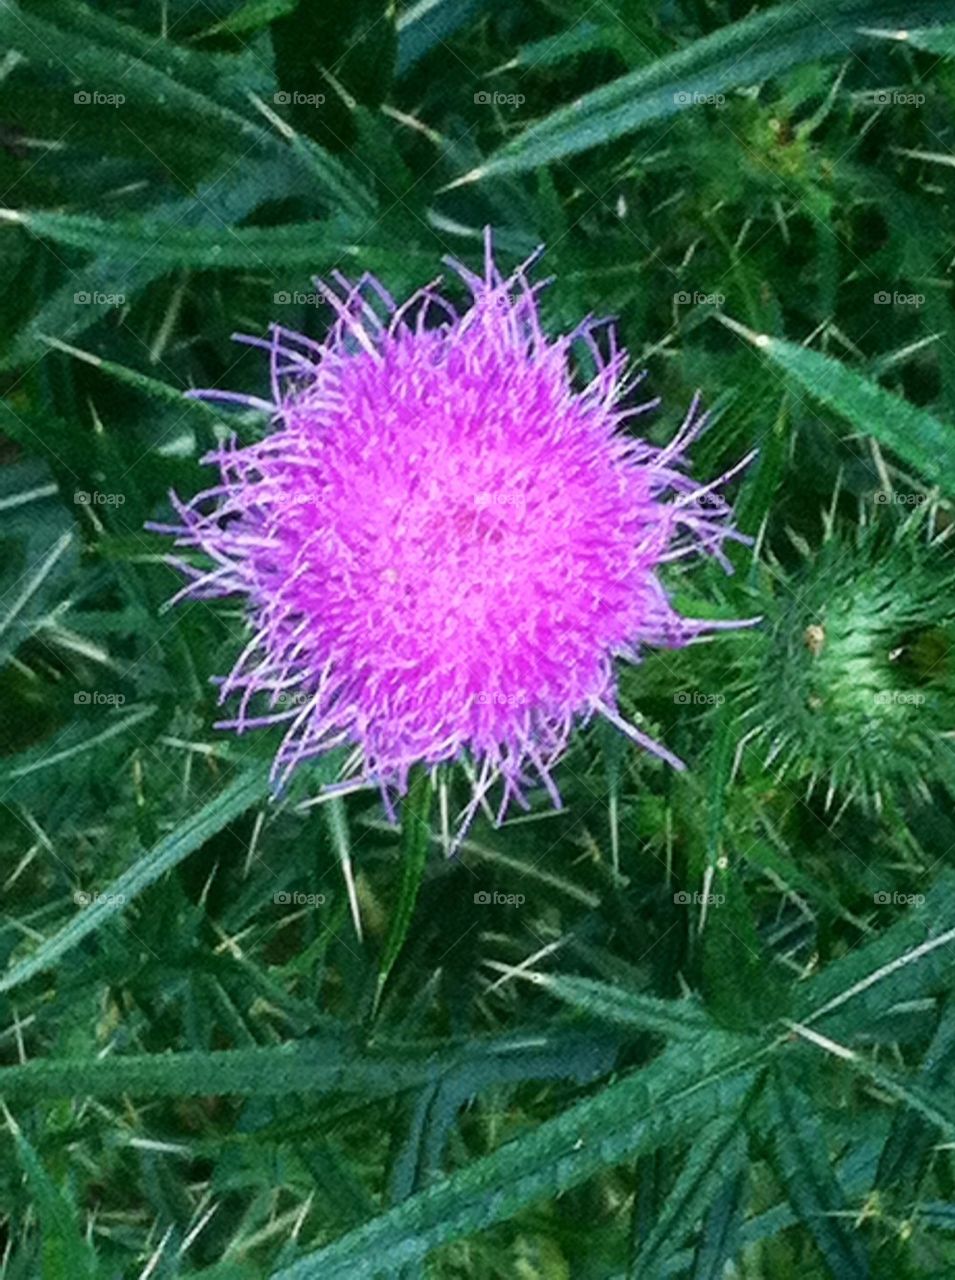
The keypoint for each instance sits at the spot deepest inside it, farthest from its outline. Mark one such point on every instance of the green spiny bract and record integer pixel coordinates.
(852, 684)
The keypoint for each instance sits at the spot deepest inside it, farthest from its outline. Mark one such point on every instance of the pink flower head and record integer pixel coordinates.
(443, 543)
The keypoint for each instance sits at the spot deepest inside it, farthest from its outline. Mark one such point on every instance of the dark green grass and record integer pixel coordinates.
(704, 1020)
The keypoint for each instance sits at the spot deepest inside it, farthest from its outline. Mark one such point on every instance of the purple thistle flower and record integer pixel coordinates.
(443, 543)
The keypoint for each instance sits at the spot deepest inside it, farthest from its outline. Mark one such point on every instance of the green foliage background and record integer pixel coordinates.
(704, 1025)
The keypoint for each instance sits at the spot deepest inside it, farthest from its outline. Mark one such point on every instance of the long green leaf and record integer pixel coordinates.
(747, 52)
(925, 1101)
(811, 1185)
(199, 409)
(67, 745)
(907, 1150)
(723, 1224)
(251, 16)
(427, 23)
(676, 1019)
(921, 440)
(111, 271)
(701, 1178)
(910, 960)
(300, 1067)
(168, 245)
(120, 58)
(665, 1102)
(319, 1064)
(64, 1251)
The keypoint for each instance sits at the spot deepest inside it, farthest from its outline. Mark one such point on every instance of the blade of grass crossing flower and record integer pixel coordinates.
(247, 789)
(415, 839)
(916, 436)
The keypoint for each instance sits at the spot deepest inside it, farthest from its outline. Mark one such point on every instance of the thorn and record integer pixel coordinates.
(757, 339)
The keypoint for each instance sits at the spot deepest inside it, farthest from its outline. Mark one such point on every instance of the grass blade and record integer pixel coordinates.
(803, 1162)
(64, 1251)
(318, 1064)
(747, 52)
(703, 1175)
(415, 838)
(244, 791)
(668, 1100)
(676, 1019)
(918, 438)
